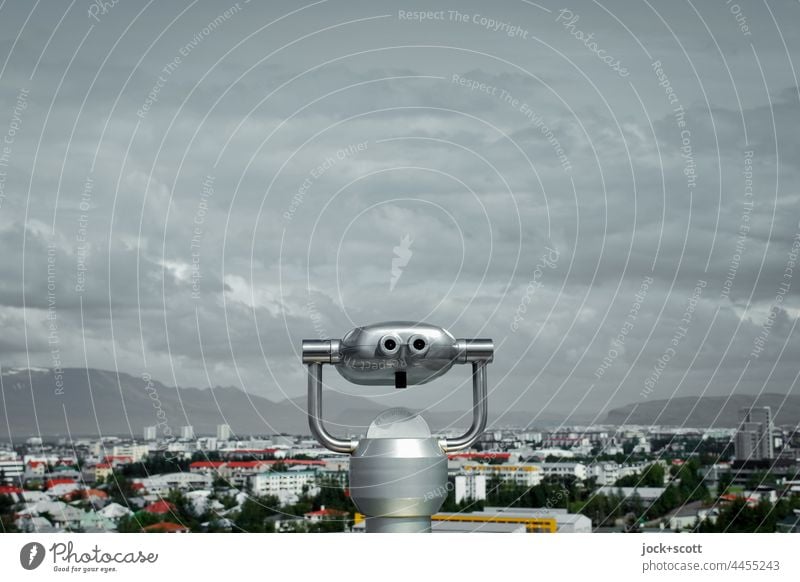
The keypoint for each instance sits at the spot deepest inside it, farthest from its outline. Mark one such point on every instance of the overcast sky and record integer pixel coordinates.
(206, 184)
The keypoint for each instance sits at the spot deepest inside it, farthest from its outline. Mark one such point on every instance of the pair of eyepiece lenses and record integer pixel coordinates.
(390, 345)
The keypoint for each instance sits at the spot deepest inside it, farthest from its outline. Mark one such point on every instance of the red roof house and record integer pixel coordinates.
(59, 481)
(160, 507)
(323, 513)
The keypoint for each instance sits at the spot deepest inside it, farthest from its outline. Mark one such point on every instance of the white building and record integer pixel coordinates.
(566, 440)
(472, 487)
(181, 481)
(60, 513)
(288, 486)
(11, 469)
(150, 433)
(689, 515)
(569, 469)
(208, 443)
(115, 512)
(239, 473)
(187, 432)
(134, 451)
(607, 472)
(223, 432)
(604, 473)
(526, 475)
(47, 459)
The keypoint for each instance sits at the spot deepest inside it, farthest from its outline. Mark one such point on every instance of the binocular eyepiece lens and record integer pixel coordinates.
(418, 345)
(389, 345)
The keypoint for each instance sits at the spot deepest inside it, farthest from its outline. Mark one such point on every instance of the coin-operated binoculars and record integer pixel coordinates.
(398, 473)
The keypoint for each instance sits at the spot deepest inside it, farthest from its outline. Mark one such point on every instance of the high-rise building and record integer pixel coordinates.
(223, 432)
(150, 433)
(187, 432)
(754, 435)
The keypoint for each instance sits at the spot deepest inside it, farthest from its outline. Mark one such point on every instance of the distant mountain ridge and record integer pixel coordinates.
(103, 402)
(705, 411)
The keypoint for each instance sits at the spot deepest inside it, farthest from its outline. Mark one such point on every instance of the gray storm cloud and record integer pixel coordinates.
(190, 189)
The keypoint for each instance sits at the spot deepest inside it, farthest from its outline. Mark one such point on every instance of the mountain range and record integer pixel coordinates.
(92, 402)
(705, 411)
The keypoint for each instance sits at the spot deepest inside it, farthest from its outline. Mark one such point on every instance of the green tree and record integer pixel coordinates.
(134, 523)
(7, 514)
(725, 481)
(254, 514)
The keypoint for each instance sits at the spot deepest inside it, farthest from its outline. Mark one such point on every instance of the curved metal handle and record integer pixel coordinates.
(324, 438)
(480, 412)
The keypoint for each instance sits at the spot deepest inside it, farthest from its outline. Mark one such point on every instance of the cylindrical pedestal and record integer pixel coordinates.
(398, 474)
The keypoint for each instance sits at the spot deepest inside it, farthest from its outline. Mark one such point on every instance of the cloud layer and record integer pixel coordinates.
(190, 189)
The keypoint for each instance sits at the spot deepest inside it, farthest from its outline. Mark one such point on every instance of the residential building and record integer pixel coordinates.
(239, 473)
(322, 514)
(223, 432)
(34, 524)
(526, 475)
(102, 471)
(565, 440)
(115, 512)
(134, 452)
(11, 469)
(35, 470)
(567, 469)
(161, 507)
(286, 485)
(470, 487)
(205, 466)
(754, 435)
(604, 473)
(187, 432)
(150, 433)
(181, 481)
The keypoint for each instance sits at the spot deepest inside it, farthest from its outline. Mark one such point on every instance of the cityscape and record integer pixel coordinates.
(578, 479)
(337, 267)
